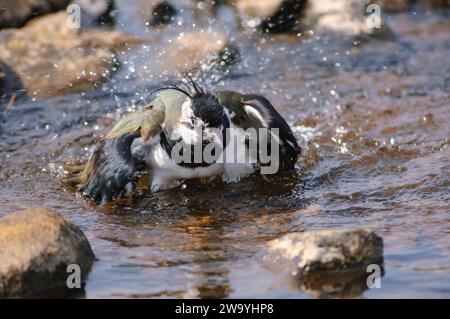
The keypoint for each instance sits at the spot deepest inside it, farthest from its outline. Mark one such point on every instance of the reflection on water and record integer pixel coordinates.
(374, 122)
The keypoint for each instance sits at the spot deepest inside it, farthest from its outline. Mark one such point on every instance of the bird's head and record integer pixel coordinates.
(207, 107)
(201, 107)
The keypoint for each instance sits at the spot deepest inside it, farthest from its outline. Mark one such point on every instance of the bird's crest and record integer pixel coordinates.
(187, 85)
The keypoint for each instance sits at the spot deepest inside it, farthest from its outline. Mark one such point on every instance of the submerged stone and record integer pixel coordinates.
(327, 261)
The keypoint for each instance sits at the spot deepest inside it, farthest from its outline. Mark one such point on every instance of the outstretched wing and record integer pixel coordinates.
(250, 110)
(113, 168)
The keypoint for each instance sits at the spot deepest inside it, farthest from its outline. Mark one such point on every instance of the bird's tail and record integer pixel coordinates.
(111, 171)
(78, 176)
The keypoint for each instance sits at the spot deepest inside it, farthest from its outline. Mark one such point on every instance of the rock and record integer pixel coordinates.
(162, 13)
(328, 262)
(51, 59)
(271, 15)
(348, 17)
(192, 49)
(14, 14)
(329, 250)
(36, 246)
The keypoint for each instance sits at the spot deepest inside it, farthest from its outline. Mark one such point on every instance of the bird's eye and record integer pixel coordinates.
(188, 124)
(191, 123)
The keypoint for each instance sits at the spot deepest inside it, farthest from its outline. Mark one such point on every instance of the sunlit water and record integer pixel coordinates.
(374, 122)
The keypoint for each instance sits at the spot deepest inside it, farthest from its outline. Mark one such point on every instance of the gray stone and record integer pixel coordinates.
(36, 246)
(329, 250)
(327, 263)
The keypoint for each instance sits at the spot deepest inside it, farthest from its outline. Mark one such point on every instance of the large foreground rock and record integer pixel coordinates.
(15, 13)
(36, 246)
(51, 59)
(327, 262)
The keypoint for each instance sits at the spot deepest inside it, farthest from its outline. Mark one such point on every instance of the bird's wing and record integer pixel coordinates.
(255, 111)
(112, 168)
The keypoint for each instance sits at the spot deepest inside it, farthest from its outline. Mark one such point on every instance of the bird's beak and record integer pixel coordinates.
(151, 125)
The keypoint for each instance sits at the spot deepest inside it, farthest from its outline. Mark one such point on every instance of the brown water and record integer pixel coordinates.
(374, 122)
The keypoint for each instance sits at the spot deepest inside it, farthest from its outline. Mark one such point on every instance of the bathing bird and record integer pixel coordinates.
(188, 132)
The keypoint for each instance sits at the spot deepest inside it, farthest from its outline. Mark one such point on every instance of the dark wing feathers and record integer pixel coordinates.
(256, 111)
(275, 120)
(111, 167)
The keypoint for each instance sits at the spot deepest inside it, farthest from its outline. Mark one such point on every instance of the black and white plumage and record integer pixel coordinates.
(183, 114)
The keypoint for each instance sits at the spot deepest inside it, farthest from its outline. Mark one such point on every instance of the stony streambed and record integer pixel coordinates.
(372, 115)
